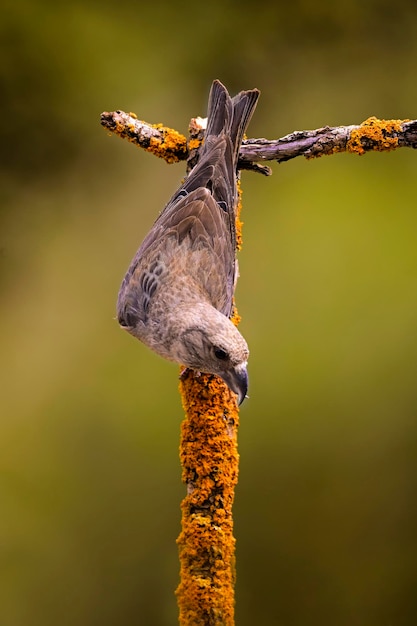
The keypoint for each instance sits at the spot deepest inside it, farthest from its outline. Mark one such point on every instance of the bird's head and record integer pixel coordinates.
(209, 342)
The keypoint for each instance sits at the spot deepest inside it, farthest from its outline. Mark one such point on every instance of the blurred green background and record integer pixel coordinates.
(325, 513)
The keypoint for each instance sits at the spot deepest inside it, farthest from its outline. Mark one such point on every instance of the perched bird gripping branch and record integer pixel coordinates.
(177, 295)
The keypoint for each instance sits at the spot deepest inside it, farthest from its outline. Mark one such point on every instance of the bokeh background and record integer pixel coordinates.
(90, 485)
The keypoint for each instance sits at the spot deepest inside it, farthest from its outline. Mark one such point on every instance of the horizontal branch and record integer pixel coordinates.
(373, 134)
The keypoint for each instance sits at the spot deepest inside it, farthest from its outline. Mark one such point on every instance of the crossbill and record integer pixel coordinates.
(177, 295)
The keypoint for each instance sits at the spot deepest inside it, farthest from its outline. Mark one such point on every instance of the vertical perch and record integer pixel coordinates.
(209, 459)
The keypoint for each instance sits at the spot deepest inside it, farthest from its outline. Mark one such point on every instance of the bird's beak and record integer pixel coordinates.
(237, 380)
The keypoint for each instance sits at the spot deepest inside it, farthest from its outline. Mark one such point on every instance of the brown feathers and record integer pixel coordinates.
(177, 294)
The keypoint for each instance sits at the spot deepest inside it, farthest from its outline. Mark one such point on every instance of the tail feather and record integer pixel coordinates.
(227, 120)
(220, 110)
(244, 104)
(230, 115)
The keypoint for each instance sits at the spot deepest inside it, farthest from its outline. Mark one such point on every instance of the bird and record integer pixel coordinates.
(177, 295)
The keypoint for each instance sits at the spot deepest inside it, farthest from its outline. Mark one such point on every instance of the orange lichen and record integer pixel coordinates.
(193, 144)
(172, 147)
(235, 318)
(120, 129)
(209, 460)
(126, 129)
(239, 222)
(374, 134)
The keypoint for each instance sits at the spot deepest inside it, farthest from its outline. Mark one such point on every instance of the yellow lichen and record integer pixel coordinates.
(235, 318)
(239, 222)
(120, 129)
(172, 147)
(374, 134)
(209, 460)
(194, 143)
(126, 130)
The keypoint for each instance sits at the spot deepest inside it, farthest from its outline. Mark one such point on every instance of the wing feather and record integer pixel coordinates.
(200, 227)
(196, 230)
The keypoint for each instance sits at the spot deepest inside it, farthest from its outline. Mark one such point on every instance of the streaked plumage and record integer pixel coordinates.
(177, 294)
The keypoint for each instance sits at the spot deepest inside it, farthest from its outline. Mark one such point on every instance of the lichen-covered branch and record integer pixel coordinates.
(164, 142)
(209, 459)
(372, 134)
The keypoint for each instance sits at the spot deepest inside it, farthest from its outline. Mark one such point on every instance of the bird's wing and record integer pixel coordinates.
(194, 237)
(192, 244)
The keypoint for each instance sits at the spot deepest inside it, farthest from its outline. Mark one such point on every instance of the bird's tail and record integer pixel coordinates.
(227, 120)
(230, 116)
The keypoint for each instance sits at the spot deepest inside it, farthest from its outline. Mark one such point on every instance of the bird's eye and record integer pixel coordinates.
(220, 354)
